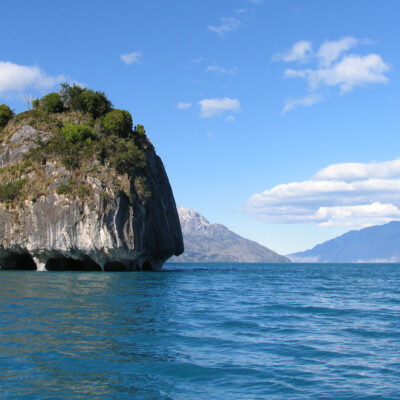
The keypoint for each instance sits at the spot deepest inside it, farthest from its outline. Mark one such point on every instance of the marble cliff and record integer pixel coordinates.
(76, 195)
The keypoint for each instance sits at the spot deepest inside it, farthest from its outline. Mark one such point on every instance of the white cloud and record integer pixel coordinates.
(351, 71)
(348, 194)
(360, 171)
(303, 101)
(230, 118)
(19, 78)
(300, 51)
(221, 70)
(183, 106)
(211, 107)
(330, 51)
(333, 68)
(228, 24)
(132, 58)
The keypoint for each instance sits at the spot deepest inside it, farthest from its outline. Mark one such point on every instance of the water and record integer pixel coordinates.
(223, 331)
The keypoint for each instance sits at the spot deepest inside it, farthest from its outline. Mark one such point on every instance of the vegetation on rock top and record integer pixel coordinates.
(87, 136)
(5, 115)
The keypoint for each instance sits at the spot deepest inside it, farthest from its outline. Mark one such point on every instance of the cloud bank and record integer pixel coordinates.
(15, 78)
(349, 194)
(334, 68)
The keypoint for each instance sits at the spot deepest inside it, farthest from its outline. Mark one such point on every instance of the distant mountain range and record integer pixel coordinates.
(380, 243)
(205, 242)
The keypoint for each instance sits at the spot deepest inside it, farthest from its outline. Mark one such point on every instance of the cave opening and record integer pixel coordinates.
(18, 261)
(62, 263)
(147, 266)
(115, 266)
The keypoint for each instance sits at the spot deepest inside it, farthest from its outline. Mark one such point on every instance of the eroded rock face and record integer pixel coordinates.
(112, 230)
(21, 142)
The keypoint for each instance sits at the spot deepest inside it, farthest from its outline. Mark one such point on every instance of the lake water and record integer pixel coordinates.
(202, 331)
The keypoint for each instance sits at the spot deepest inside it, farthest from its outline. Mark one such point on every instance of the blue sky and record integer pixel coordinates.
(278, 119)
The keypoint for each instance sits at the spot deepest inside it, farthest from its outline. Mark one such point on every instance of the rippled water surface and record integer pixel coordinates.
(204, 331)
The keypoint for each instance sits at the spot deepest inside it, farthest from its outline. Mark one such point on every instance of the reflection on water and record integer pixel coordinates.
(79, 333)
(201, 332)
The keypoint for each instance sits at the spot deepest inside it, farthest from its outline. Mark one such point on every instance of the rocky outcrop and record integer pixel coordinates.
(110, 229)
(25, 139)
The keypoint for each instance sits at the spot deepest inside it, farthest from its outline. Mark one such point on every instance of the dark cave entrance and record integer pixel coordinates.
(115, 266)
(147, 266)
(18, 261)
(61, 263)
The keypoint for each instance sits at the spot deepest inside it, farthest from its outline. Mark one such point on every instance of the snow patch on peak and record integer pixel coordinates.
(191, 220)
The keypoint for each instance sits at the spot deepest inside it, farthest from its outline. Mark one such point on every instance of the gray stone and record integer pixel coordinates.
(115, 231)
(23, 140)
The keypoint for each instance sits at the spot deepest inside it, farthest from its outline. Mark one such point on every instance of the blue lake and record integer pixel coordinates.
(202, 331)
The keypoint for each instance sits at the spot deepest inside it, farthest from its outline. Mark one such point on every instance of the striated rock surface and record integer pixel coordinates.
(110, 221)
(205, 242)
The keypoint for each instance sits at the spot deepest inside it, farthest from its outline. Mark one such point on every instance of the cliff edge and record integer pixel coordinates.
(82, 189)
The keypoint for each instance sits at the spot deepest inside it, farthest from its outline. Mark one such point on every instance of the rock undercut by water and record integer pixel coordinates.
(88, 213)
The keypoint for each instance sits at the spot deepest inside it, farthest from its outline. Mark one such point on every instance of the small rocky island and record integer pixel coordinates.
(82, 189)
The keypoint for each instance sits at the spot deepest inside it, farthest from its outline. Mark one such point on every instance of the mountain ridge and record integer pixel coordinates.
(213, 242)
(378, 243)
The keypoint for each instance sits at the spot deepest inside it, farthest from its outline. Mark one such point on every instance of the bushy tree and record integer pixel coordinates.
(71, 96)
(85, 100)
(5, 115)
(118, 122)
(52, 103)
(95, 103)
(139, 129)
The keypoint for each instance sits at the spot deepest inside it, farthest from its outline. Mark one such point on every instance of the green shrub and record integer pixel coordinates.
(108, 136)
(52, 103)
(84, 100)
(83, 191)
(78, 133)
(122, 154)
(35, 104)
(64, 188)
(5, 115)
(10, 191)
(95, 103)
(139, 129)
(118, 122)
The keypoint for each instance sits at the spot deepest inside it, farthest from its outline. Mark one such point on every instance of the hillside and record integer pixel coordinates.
(380, 243)
(205, 242)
